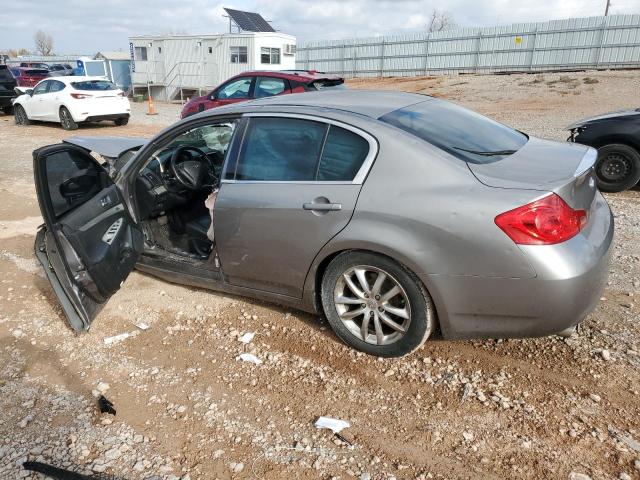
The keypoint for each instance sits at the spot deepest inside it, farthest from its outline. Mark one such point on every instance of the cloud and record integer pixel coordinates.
(85, 27)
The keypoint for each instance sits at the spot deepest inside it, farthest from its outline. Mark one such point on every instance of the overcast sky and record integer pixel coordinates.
(88, 26)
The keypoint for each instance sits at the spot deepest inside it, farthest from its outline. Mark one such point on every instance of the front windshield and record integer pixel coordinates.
(463, 133)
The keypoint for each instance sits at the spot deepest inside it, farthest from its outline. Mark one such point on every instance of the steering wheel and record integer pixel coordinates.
(192, 172)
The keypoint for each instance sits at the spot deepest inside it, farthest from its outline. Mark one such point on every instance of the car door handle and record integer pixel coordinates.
(324, 207)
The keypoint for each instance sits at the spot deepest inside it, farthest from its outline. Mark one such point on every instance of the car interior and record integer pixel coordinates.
(172, 188)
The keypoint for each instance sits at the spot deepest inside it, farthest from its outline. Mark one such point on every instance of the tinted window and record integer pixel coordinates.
(5, 74)
(72, 179)
(41, 88)
(463, 133)
(235, 89)
(327, 83)
(94, 85)
(267, 87)
(342, 156)
(37, 72)
(280, 149)
(56, 86)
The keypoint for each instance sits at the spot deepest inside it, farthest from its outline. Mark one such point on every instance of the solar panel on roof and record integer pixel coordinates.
(249, 21)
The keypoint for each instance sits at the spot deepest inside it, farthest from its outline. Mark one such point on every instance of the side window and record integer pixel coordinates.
(41, 88)
(267, 87)
(280, 149)
(270, 55)
(342, 156)
(235, 89)
(56, 86)
(72, 179)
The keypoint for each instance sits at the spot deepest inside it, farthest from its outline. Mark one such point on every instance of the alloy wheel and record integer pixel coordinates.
(372, 304)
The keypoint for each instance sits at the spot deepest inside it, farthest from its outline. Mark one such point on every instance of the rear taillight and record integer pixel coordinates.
(546, 221)
(80, 96)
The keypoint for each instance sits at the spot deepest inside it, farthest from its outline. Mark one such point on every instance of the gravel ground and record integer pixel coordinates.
(188, 408)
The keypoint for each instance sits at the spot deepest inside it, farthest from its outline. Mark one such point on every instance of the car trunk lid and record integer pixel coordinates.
(563, 168)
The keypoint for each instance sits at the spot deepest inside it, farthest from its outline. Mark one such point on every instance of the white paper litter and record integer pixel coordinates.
(247, 337)
(332, 424)
(249, 357)
(142, 325)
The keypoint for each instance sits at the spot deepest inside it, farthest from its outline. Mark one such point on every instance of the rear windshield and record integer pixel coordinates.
(465, 134)
(37, 72)
(5, 74)
(99, 85)
(337, 84)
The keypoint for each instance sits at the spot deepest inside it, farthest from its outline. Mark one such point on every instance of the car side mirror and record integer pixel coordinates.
(79, 187)
(29, 92)
(213, 96)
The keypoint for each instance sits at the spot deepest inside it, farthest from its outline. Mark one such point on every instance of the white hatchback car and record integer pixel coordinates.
(71, 100)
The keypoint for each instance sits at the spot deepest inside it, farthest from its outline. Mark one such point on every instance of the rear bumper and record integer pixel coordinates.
(570, 278)
(110, 116)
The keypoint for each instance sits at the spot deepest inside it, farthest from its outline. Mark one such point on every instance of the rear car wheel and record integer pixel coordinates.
(66, 120)
(375, 305)
(617, 168)
(121, 122)
(8, 110)
(20, 116)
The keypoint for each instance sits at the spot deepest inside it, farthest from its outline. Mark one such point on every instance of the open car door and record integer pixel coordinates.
(89, 243)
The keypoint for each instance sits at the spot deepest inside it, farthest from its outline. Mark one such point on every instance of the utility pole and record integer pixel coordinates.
(606, 9)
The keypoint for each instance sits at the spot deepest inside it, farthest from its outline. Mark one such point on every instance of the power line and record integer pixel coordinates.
(606, 9)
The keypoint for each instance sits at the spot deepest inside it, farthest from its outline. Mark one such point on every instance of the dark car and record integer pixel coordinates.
(28, 77)
(616, 135)
(7, 94)
(259, 84)
(42, 65)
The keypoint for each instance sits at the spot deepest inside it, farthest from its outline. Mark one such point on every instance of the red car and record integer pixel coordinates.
(27, 76)
(258, 84)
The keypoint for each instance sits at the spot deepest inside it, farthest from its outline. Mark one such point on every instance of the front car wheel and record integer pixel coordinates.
(617, 168)
(20, 115)
(375, 305)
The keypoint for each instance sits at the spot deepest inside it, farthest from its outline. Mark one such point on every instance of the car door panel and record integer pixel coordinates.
(89, 242)
(267, 234)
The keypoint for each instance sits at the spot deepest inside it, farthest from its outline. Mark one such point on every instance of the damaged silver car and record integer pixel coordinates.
(393, 214)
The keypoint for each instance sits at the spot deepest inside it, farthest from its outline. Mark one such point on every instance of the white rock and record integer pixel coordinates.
(468, 436)
(595, 397)
(578, 476)
(103, 387)
(624, 476)
(606, 355)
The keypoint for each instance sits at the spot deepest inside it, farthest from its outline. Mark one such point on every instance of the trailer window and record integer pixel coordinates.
(238, 54)
(270, 55)
(141, 53)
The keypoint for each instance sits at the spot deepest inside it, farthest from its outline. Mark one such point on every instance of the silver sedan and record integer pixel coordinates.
(392, 214)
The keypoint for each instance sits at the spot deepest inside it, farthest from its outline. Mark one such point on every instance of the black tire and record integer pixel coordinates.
(20, 116)
(121, 122)
(617, 168)
(66, 120)
(8, 110)
(422, 315)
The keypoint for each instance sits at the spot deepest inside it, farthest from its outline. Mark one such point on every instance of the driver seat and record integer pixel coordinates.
(196, 231)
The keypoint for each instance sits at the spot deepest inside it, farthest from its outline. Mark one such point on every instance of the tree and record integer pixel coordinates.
(44, 43)
(440, 21)
(23, 51)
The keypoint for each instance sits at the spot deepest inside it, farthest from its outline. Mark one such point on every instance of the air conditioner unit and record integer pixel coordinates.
(289, 49)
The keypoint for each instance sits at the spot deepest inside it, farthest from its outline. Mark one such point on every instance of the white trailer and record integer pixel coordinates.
(172, 67)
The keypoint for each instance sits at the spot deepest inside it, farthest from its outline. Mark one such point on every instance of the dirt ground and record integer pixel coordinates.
(187, 408)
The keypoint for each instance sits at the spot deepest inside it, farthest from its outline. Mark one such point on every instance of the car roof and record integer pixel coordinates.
(78, 78)
(300, 75)
(370, 103)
